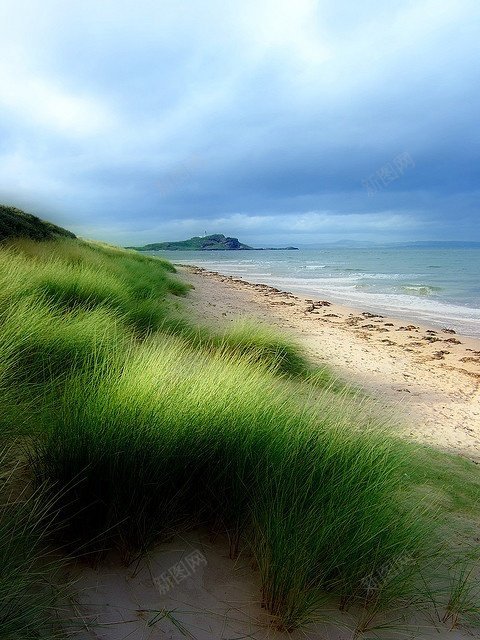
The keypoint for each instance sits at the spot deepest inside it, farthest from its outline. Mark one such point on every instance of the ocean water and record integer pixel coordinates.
(440, 287)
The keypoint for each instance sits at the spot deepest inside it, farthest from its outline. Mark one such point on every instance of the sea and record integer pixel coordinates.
(438, 287)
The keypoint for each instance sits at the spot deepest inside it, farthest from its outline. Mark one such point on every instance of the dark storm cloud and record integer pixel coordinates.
(270, 120)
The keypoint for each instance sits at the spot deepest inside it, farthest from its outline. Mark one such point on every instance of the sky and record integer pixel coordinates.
(275, 121)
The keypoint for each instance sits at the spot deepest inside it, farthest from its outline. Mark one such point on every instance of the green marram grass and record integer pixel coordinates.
(31, 580)
(147, 449)
(264, 345)
(138, 424)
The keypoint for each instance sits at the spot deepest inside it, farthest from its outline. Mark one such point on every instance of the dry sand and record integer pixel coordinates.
(429, 375)
(190, 588)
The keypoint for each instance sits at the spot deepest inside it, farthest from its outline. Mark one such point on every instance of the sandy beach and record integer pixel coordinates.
(216, 598)
(431, 376)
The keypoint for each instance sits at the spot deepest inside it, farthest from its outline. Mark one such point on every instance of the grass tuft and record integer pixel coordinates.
(147, 450)
(30, 577)
(263, 345)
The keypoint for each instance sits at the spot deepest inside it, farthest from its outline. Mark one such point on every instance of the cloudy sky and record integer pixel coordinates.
(278, 121)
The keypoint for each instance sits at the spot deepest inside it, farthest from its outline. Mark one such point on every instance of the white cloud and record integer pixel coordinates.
(319, 222)
(35, 99)
(284, 27)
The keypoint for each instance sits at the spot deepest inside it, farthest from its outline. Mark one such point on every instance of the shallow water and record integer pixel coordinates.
(435, 286)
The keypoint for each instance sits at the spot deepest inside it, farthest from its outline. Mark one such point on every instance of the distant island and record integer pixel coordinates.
(215, 242)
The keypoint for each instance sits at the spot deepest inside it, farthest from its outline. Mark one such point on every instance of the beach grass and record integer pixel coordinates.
(262, 344)
(31, 578)
(147, 449)
(139, 424)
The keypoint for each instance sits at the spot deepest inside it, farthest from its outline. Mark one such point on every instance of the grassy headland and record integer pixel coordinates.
(215, 242)
(124, 423)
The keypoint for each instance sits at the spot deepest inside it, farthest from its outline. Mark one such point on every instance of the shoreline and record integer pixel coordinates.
(431, 376)
(399, 298)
